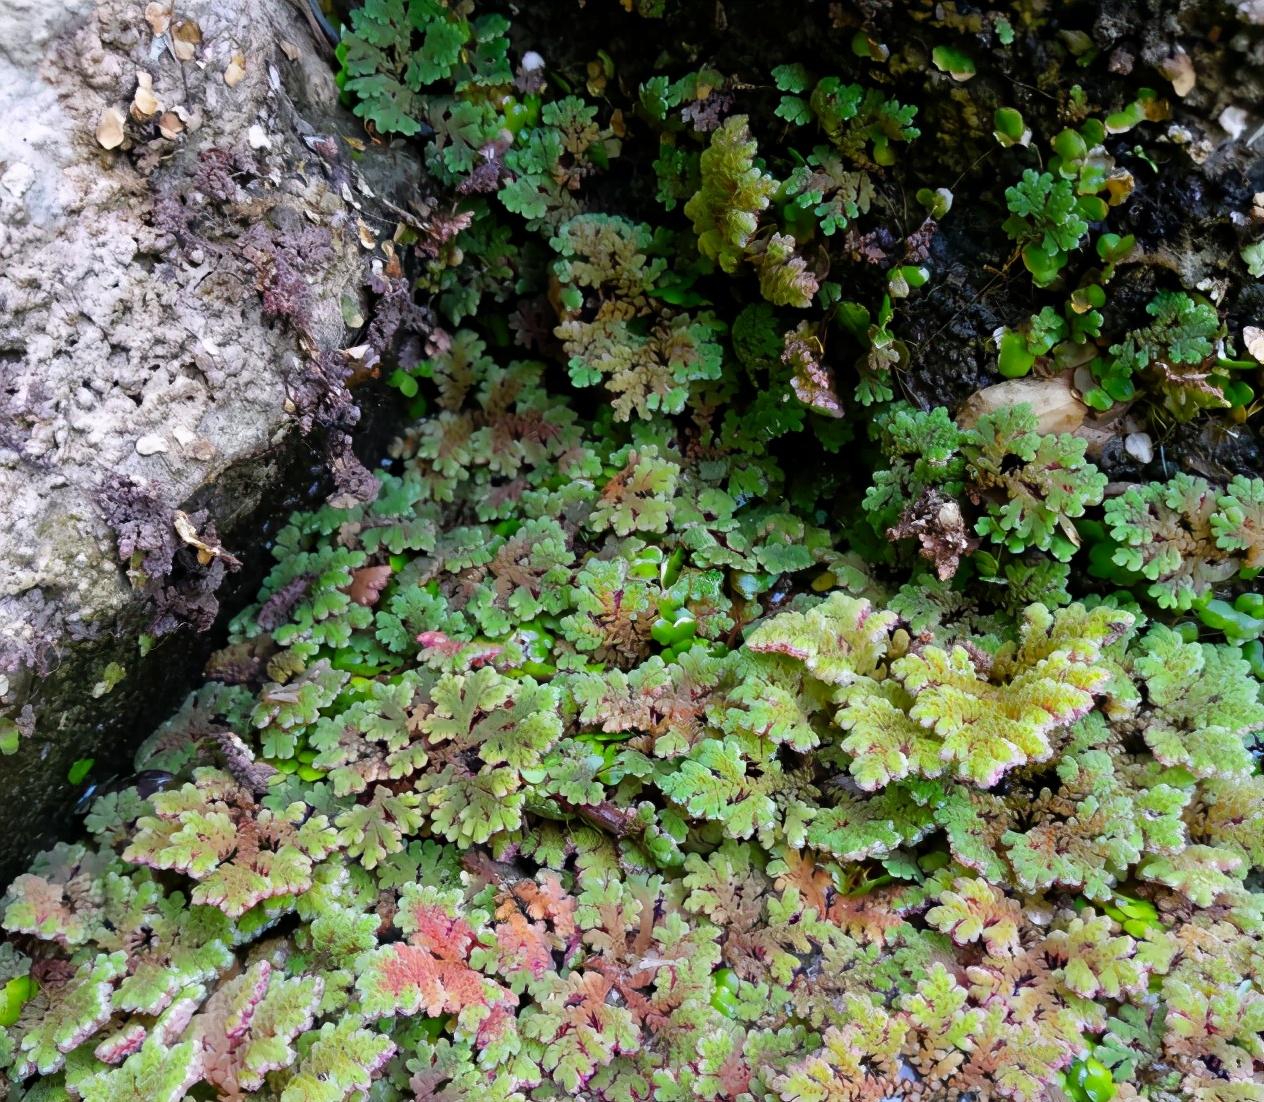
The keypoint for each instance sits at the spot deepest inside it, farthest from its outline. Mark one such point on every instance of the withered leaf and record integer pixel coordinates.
(367, 584)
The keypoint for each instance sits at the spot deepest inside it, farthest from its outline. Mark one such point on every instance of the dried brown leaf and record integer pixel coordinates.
(144, 103)
(158, 16)
(1179, 69)
(1253, 338)
(110, 132)
(367, 584)
(206, 551)
(186, 36)
(235, 72)
(1054, 401)
(170, 126)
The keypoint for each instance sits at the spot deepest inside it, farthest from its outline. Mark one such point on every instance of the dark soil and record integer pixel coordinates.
(1180, 210)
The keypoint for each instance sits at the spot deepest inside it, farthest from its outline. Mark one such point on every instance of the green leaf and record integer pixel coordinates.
(343, 1059)
(156, 1073)
(955, 62)
(791, 78)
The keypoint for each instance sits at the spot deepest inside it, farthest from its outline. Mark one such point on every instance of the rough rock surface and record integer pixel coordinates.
(171, 314)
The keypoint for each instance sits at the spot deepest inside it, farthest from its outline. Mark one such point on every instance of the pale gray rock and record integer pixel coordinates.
(139, 344)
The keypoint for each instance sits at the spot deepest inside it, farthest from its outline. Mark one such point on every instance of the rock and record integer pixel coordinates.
(170, 327)
(151, 444)
(17, 179)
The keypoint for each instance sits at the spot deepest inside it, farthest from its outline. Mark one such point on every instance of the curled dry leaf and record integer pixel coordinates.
(1056, 405)
(367, 584)
(206, 551)
(1140, 447)
(936, 522)
(158, 16)
(110, 128)
(1253, 338)
(235, 73)
(186, 35)
(1119, 185)
(1233, 121)
(144, 103)
(169, 125)
(1179, 69)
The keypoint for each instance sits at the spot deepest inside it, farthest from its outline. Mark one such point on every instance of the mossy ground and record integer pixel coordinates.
(713, 703)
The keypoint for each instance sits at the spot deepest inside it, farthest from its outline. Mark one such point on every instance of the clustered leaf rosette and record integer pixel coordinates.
(1184, 537)
(725, 211)
(629, 776)
(386, 70)
(238, 854)
(1029, 487)
(1049, 221)
(614, 328)
(1179, 353)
